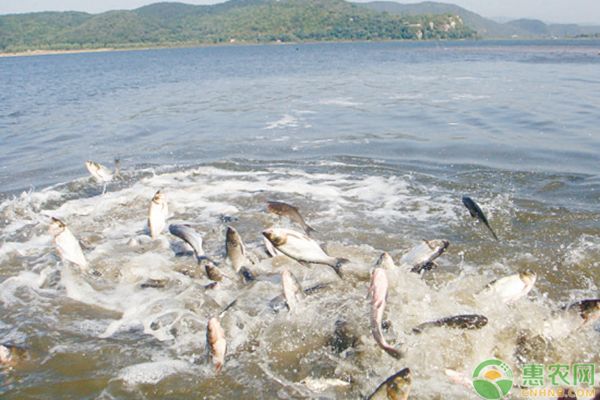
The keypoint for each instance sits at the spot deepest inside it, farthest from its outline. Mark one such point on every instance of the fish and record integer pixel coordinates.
(66, 244)
(302, 248)
(157, 214)
(476, 212)
(396, 387)
(102, 174)
(421, 257)
(236, 250)
(216, 344)
(378, 294)
(190, 236)
(291, 212)
(212, 271)
(292, 291)
(589, 310)
(511, 288)
(465, 321)
(11, 355)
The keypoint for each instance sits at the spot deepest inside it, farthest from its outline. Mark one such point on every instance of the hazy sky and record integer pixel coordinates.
(580, 11)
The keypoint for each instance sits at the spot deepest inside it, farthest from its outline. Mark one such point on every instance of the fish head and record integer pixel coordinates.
(398, 386)
(274, 207)
(159, 198)
(528, 278)
(232, 237)
(590, 310)
(92, 166)
(385, 261)
(275, 236)
(56, 227)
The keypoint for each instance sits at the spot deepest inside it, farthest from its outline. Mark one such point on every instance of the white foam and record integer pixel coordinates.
(152, 372)
(286, 121)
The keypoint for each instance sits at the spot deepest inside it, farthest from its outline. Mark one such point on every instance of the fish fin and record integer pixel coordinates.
(417, 329)
(492, 231)
(392, 351)
(227, 308)
(316, 288)
(424, 267)
(304, 263)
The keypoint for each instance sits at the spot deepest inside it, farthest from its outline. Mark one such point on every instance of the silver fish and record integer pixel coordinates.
(216, 344)
(396, 387)
(302, 248)
(292, 291)
(157, 214)
(270, 249)
(465, 321)
(421, 257)
(66, 244)
(236, 250)
(188, 235)
(511, 288)
(289, 211)
(100, 173)
(378, 294)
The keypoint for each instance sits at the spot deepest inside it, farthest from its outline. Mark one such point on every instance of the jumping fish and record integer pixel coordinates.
(378, 293)
(11, 355)
(396, 387)
(465, 321)
(292, 291)
(589, 310)
(102, 174)
(236, 251)
(476, 212)
(190, 236)
(302, 248)
(511, 288)
(421, 257)
(216, 344)
(289, 211)
(157, 214)
(66, 244)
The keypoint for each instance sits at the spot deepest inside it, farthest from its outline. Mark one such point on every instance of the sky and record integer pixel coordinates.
(565, 11)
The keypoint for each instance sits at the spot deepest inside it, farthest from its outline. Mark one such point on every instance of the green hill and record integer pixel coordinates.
(246, 21)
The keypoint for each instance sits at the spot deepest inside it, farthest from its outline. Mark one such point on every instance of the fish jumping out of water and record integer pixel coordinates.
(216, 344)
(588, 310)
(465, 321)
(66, 244)
(157, 214)
(292, 291)
(190, 236)
(102, 174)
(302, 248)
(511, 288)
(291, 212)
(378, 294)
(421, 257)
(396, 387)
(476, 212)
(236, 250)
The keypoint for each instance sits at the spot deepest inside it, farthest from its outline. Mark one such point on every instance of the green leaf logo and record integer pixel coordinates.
(492, 379)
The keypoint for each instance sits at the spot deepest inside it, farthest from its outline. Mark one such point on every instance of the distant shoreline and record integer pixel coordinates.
(40, 52)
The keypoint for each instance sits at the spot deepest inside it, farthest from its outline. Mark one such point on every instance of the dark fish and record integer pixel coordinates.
(343, 337)
(154, 284)
(476, 212)
(466, 321)
(396, 387)
(589, 309)
(291, 212)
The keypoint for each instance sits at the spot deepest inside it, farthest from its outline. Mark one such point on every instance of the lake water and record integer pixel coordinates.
(376, 143)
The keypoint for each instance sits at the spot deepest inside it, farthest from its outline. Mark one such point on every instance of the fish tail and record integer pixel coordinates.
(492, 231)
(392, 351)
(309, 229)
